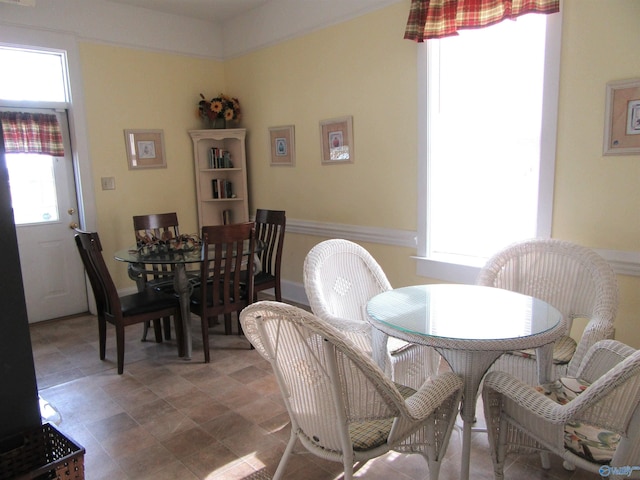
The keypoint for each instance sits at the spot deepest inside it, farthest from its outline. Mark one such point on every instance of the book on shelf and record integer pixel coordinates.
(219, 158)
(226, 160)
(221, 188)
(227, 217)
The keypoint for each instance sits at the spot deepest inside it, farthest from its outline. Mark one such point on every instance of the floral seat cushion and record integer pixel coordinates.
(588, 441)
(563, 351)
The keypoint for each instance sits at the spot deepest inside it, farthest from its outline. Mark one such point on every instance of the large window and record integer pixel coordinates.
(487, 158)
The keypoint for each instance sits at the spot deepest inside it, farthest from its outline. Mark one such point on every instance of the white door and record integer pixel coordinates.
(45, 212)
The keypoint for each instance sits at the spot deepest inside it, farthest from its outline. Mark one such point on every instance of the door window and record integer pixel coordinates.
(33, 188)
(37, 76)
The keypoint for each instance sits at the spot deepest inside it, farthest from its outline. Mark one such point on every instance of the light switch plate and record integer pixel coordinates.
(108, 183)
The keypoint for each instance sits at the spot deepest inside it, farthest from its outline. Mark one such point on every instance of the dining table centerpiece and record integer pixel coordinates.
(220, 111)
(148, 244)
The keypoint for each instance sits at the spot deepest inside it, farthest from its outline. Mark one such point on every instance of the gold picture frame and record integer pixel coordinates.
(336, 141)
(622, 118)
(282, 145)
(145, 149)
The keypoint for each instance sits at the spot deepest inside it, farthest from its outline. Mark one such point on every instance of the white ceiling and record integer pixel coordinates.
(216, 11)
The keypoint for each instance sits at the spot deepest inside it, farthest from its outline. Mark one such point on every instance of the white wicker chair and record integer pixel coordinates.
(339, 278)
(572, 278)
(523, 419)
(341, 405)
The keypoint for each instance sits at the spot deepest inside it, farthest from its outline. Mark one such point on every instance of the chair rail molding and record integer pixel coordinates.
(622, 262)
(385, 236)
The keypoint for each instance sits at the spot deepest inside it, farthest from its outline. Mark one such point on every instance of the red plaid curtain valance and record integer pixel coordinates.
(442, 18)
(32, 133)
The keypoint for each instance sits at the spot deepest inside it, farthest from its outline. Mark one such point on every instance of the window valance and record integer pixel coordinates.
(442, 18)
(32, 133)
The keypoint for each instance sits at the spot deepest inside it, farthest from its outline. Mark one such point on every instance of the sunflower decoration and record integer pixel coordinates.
(222, 106)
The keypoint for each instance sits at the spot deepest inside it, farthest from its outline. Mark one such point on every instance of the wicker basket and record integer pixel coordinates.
(42, 453)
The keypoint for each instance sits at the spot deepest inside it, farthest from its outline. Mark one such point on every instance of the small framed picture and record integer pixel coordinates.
(145, 149)
(622, 118)
(336, 140)
(282, 145)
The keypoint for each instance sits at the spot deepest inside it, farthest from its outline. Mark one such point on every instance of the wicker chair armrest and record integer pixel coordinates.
(432, 393)
(526, 396)
(618, 385)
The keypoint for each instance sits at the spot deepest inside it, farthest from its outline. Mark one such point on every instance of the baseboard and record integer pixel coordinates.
(294, 292)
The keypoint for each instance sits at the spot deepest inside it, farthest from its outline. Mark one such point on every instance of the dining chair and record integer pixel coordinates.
(591, 419)
(147, 228)
(342, 406)
(340, 277)
(126, 310)
(572, 278)
(270, 227)
(226, 250)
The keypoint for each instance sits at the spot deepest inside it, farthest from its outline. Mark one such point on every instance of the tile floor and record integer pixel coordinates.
(167, 418)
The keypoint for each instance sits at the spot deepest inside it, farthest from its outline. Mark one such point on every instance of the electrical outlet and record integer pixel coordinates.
(108, 183)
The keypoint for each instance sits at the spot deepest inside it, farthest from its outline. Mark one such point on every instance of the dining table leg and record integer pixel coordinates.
(182, 288)
(544, 364)
(471, 366)
(136, 273)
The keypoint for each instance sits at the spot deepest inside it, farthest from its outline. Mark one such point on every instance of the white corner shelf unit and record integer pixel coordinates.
(221, 175)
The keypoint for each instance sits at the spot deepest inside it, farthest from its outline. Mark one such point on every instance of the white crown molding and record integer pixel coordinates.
(120, 25)
(280, 20)
(22, 3)
(123, 25)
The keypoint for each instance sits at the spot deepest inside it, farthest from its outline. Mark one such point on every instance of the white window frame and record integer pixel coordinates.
(466, 273)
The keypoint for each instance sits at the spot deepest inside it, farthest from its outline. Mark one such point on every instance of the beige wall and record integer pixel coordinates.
(366, 69)
(363, 68)
(133, 89)
(597, 198)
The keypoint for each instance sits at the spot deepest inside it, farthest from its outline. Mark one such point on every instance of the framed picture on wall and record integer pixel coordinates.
(282, 145)
(622, 118)
(145, 149)
(336, 140)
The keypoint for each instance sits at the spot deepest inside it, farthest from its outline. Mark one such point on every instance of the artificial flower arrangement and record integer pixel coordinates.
(149, 244)
(221, 106)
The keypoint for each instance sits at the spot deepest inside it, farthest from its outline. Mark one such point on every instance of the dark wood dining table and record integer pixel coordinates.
(178, 260)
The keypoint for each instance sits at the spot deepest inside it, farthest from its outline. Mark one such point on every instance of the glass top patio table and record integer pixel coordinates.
(459, 315)
(470, 326)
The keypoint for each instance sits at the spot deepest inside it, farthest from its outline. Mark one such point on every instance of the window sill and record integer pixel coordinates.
(446, 271)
